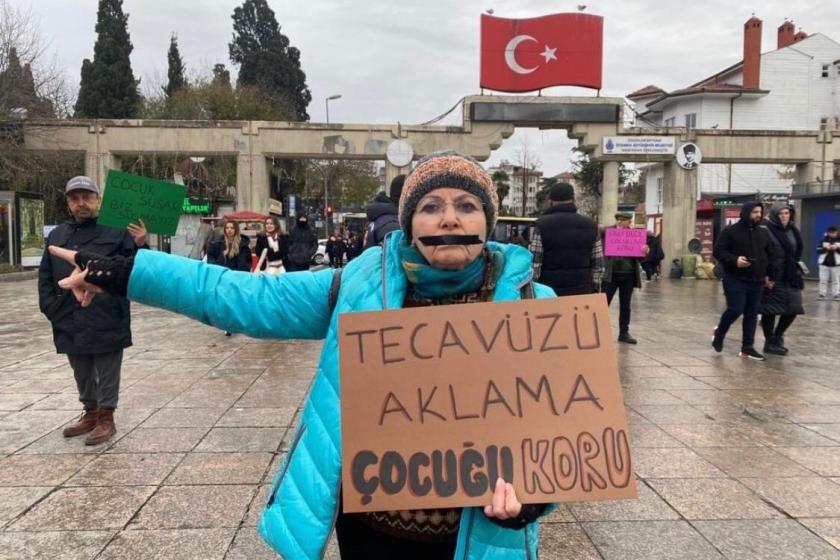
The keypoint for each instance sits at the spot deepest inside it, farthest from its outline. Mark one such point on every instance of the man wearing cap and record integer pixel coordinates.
(566, 246)
(622, 275)
(93, 337)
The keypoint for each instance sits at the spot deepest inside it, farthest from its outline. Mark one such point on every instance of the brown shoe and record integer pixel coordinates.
(104, 429)
(85, 424)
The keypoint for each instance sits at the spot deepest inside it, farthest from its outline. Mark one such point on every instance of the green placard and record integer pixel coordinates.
(129, 198)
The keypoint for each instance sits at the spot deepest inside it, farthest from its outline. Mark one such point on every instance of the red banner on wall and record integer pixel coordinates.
(530, 54)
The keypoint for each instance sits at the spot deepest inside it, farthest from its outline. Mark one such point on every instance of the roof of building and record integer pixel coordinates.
(710, 84)
(646, 91)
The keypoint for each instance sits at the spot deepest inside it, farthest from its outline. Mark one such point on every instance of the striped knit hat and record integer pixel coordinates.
(447, 169)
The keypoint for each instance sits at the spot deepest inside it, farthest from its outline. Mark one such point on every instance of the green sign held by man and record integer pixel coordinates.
(129, 198)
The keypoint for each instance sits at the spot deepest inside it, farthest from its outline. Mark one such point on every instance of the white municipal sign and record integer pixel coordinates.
(639, 145)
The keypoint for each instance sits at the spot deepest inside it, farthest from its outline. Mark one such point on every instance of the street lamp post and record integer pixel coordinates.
(326, 171)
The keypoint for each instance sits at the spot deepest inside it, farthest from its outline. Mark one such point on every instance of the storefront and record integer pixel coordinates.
(21, 228)
(818, 206)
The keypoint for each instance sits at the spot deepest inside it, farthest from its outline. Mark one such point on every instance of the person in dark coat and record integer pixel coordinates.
(747, 256)
(275, 244)
(653, 261)
(566, 246)
(623, 275)
(232, 250)
(95, 336)
(303, 244)
(382, 213)
(782, 301)
(335, 249)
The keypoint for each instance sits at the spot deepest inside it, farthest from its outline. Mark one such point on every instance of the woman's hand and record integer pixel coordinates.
(504, 505)
(82, 290)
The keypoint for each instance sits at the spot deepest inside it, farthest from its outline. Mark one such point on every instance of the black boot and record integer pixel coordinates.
(626, 338)
(780, 342)
(772, 346)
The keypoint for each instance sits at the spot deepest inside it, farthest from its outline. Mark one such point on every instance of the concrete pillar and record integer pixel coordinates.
(814, 172)
(609, 194)
(392, 171)
(252, 189)
(679, 210)
(98, 164)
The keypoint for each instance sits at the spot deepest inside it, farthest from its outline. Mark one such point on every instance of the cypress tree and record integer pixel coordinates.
(265, 57)
(176, 68)
(108, 88)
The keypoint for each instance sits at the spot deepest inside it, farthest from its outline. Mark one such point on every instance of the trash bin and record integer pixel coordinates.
(689, 264)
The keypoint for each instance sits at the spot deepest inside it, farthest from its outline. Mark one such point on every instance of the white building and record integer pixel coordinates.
(519, 177)
(794, 87)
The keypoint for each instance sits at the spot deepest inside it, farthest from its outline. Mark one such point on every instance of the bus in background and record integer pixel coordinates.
(513, 229)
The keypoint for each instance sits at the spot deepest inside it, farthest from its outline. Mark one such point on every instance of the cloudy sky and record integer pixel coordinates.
(411, 61)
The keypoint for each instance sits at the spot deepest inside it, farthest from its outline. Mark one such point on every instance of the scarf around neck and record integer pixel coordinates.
(435, 283)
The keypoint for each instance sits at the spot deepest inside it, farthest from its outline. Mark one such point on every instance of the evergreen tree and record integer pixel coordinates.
(177, 81)
(108, 88)
(265, 57)
(221, 76)
(17, 89)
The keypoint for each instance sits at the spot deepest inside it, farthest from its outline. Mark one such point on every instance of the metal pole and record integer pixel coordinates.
(326, 200)
(327, 105)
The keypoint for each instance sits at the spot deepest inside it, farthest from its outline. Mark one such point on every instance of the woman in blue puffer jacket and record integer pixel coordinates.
(440, 256)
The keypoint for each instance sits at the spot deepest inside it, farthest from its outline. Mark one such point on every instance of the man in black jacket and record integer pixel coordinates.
(93, 337)
(566, 246)
(303, 244)
(382, 213)
(746, 253)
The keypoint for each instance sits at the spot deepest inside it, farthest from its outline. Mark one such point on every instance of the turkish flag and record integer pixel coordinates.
(530, 54)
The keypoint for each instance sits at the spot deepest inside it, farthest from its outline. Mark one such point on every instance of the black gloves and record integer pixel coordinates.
(109, 273)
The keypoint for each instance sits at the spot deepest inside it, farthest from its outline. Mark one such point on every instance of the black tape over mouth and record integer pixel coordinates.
(437, 240)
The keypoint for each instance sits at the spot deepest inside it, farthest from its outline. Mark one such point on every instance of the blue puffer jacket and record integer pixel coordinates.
(304, 499)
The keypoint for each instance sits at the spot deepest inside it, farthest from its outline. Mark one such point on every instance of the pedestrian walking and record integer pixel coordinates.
(382, 213)
(568, 254)
(623, 275)
(439, 256)
(232, 250)
(781, 303)
(275, 244)
(303, 244)
(93, 337)
(829, 259)
(652, 263)
(747, 255)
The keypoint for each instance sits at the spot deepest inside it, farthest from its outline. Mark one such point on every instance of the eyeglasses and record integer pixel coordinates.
(465, 206)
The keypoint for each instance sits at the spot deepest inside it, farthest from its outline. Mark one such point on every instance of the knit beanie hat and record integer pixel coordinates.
(447, 169)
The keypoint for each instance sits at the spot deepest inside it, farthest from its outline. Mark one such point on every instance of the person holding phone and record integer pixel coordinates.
(747, 255)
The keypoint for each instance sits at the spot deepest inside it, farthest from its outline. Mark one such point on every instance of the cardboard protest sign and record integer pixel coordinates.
(129, 198)
(625, 242)
(438, 402)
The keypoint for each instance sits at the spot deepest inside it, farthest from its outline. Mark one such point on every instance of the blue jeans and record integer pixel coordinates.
(742, 298)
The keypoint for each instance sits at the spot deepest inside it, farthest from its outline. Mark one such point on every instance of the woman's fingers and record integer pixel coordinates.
(82, 291)
(512, 505)
(65, 254)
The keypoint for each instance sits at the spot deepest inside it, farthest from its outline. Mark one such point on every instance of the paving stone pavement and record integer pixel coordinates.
(734, 459)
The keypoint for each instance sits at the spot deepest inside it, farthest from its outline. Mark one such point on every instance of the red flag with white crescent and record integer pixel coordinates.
(530, 54)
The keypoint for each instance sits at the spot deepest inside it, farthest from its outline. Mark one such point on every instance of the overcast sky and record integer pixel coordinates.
(411, 61)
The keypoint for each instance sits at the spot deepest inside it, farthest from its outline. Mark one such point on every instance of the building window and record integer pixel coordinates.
(823, 123)
(659, 182)
(825, 70)
(671, 121)
(691, 120)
